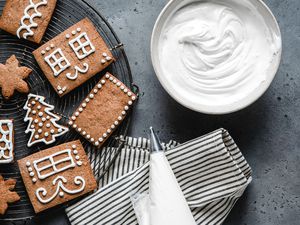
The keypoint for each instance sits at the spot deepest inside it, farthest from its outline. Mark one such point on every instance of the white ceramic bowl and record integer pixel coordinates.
(172, 7)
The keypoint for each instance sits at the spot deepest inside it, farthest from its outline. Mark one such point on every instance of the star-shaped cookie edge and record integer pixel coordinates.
(12, 77)
(6, 194)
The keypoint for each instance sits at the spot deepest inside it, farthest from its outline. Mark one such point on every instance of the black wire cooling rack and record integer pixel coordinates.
(67, 13)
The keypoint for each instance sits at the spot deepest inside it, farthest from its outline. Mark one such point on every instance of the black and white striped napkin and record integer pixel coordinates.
(211, 171)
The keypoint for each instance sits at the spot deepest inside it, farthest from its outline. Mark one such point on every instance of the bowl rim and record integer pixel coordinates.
(213, 110)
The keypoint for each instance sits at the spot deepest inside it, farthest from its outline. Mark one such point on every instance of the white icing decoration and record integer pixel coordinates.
(54, 170)
(78, 69)
(26, 17)
(60, 188)
(53, 118)
(54, 62)
(80, 48)
(7, 140)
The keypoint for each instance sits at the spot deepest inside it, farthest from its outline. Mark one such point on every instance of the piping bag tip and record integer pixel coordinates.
(155, 145)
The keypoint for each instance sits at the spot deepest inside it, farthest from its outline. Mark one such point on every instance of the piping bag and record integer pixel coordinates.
(166, 204)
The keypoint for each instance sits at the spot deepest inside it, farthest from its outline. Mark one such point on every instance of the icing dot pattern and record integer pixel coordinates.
(96, 141)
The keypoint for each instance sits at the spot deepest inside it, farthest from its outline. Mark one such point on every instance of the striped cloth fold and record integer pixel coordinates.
(211, 171)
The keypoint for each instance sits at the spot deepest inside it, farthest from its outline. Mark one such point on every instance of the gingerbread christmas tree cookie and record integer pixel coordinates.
(28, 19)
(103, 110)
(43, 124)
(57, 175)
(6, 141)
(6, 194)
(12, 77)
(73, 57)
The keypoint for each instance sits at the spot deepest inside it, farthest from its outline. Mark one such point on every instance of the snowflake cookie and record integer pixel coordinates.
(6, 194)
(12, 77)
(6, 141)
(57, 175)
(103, 110)
(28, 19)
(73, 57)
(42, 121)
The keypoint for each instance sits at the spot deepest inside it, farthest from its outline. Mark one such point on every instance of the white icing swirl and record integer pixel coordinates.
(217, 51)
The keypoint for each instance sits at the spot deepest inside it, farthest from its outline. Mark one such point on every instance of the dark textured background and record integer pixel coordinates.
(268, 132)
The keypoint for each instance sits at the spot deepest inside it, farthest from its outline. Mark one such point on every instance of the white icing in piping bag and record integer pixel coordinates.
(167, 202)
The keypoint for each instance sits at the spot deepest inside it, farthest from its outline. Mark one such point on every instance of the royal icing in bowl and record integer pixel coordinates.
(216, 56)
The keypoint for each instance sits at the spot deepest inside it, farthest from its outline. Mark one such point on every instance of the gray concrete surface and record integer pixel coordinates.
(268, 132)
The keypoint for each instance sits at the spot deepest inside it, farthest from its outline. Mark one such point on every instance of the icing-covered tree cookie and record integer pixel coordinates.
(12, 77)
(6, 141)
(27, 19)
(42, 121)
(6, 194)
(73, 57)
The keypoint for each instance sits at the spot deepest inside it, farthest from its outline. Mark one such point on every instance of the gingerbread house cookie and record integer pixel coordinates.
(103, 110)
(28, 19)
(42, 122)
(6, 141)
(73, 57)
(57, 175)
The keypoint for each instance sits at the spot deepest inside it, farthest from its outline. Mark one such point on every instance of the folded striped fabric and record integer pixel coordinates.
(211, 171)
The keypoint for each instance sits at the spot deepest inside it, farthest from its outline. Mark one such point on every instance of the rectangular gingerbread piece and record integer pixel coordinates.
(73, 57)
(28, 19)
(6, 141)
(102, 110)
(57, 175)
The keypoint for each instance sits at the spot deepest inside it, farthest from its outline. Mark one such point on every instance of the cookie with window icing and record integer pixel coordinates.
(57, 175)
(6, 141)
(103, 110)
(73, 57)
(27, 19)
(42, 121)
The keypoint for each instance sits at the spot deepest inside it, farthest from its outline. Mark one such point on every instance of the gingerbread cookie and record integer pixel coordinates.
(12, 77)
(6, 193)
(42, 121)
(73, 57)
(6, 141)
(57, 175)
(103, 110)
(28, 19)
